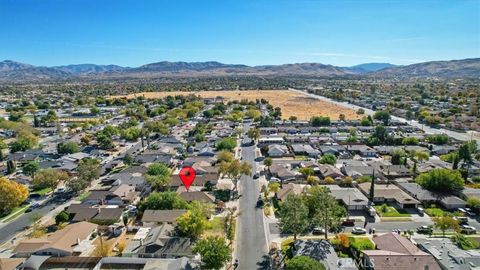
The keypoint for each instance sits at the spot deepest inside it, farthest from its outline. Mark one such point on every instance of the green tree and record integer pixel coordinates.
(158, 175)
(224, 156)
(24, 141)
(318, 121)
(68, 147)
(307, 171)
(62, 217)
(166, 200)
(328, 159)
(104, 140)
(254, 133)
(268, 162)
(304, 263)
(31, 168)
(383, 116)
(441, 180)
(48, 178)
(128, 159)
(226, 144)
(324, 209)
(446, 223)
(293, 215)
(214, 252)
(234, 170)
(88, 169)
(193, 223)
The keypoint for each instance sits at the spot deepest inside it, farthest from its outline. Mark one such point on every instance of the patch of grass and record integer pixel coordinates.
(435, 212)
(15, 213)
(361, 243)
(300, 158)
(389, 211)
(465, 243)
(43, 191)
(215, 226)
(83, 196)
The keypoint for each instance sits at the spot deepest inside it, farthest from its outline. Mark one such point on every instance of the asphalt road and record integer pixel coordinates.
(251, 245)
(8, 230)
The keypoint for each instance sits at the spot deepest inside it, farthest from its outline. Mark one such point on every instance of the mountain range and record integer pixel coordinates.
(11, 71)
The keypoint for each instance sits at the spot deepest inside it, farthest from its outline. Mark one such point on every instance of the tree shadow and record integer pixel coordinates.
(265, 263)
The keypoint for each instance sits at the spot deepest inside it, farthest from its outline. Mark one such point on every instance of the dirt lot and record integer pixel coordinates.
(292, 103)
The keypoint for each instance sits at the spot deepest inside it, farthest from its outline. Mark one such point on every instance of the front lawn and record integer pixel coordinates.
(389, 211)
(435, 212)
(43, 191)
(361, 243)
(83, 196)
(215, 226)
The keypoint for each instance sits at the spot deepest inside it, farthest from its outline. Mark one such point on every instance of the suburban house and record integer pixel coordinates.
(281, 172)
(289, 188)
(98, 214)
(117, 195)
(361, 150)
(71, 241)
(448, 255)
(153, 218)
(352, 198)
(327, 170)
(158, 242)
(323, 251)
(394, 251)
(447, 201)
(389, 194)
(278, 150)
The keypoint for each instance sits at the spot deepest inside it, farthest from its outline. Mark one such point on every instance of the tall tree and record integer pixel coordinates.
(324, 208)
(294, 215)
(234, 170)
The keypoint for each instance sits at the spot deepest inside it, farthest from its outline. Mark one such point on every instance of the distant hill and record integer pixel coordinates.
(443, 69)
(368, 67)
(11, 71)
(90, 68)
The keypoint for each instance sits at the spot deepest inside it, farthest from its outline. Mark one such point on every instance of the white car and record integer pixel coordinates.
(467, 229)
(359, 230)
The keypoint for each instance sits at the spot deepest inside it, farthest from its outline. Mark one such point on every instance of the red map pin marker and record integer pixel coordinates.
(187, 175)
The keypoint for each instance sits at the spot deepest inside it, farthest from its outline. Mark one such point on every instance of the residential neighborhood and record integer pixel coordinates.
(100, 186)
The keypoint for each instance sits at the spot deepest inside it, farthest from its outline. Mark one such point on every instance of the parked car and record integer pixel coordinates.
(260, 202)
(421, 211)
(318, 231)
(274, 179)
(467, 229)
(359, 230)
(348, 222)
(462, 220)
(425, 229)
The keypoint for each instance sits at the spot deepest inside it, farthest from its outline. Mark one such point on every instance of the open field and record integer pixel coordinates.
(291, 103)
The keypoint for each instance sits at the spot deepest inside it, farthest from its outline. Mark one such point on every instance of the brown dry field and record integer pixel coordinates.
(291, 103)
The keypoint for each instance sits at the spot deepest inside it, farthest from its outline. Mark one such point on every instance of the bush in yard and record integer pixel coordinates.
(62, 217)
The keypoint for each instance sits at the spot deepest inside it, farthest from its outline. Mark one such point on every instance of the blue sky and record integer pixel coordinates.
(339, 32)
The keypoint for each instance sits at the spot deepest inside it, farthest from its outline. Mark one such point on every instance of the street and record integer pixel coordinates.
(251, 245)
